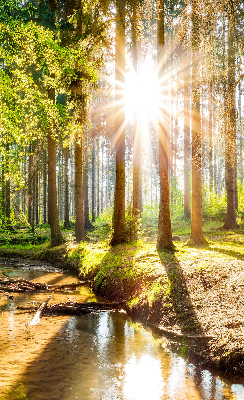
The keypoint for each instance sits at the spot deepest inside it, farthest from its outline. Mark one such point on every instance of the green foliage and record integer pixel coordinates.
(102, 226)
(240, 218)
(213, 205)
(150, 219)
(132, 225)
(176, 201)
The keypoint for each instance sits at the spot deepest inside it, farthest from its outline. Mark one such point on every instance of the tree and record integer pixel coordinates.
(137, 201)
(56, 236)
(119, 194)
(196, 209)
(164, 236)
(230, 221)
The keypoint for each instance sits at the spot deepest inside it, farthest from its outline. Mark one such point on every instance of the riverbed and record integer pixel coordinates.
(96, 356)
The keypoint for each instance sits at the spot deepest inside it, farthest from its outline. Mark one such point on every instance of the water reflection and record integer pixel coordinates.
(143, 379)
(97, 356)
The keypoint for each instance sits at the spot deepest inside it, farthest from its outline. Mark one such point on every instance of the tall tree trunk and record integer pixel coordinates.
(44, 187)
(79, 195)
(7, 191)
(211, 178)
(102, 169)
(230, 221)
(107, 179)
(119, 195)
(93, 180)
(56, 236)
(37, 197)
(88, 224)
(30, 194)
(136, 129)
(196, 209)
(164, 236)
(98, 178)
(23, 193)
(241, 139)
(66, 188)
(187, 210)
(3, 200)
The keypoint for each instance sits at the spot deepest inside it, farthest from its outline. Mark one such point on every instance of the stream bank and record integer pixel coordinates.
(193, 299)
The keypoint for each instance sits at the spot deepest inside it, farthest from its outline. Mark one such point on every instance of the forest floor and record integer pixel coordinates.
(194, 296)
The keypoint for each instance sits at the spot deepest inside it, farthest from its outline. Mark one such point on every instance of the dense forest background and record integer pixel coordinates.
(125, 112)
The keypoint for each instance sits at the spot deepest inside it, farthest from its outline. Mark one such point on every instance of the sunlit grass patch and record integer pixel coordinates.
(18, 393)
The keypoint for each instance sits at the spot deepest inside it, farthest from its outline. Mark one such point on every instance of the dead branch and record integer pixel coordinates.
(23, 285)
(39, 312)
(72, 308)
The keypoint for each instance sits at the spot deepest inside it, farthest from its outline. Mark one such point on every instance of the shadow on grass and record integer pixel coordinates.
(230, 253)
(183, 311)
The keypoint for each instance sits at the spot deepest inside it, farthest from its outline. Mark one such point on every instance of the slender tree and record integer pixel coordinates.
(137, 203)
(164, 236)
(119, 195)
(56, 236)
(230, 221)
(187, 210)
(66, 188)
(196, 210)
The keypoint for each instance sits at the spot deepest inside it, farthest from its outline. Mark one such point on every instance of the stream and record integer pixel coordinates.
(102, 356)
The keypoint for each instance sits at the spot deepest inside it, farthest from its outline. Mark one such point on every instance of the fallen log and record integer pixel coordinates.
(23, 285)
(72, 308)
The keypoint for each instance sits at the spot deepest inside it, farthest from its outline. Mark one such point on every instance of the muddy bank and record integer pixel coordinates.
(199, 308)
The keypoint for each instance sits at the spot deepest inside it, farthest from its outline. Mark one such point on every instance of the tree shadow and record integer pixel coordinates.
(179, 310)
(231, 253)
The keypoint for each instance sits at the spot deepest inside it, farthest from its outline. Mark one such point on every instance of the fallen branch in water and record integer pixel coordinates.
(23, 285)
(73, 308)
(40, 311)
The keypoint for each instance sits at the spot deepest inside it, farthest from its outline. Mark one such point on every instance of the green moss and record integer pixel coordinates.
(18, 393)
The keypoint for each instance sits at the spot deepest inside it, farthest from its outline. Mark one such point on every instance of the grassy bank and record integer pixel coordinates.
(192, 295)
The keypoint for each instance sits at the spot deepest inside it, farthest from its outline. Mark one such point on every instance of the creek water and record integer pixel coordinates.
(102, 356)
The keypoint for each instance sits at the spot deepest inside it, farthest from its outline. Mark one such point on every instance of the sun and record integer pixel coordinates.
(142, 93)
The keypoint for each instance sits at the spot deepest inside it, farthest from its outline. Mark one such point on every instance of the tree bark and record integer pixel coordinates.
(119, 195)
(79, 195)
(44, 187)
(93, 181)
(230, 220)
(30, 199)
(107, 179)
(7, 192)
(187, 209)
(102, 169)
(164, 236)
(211, 178)
(98, 178)
(196, 237)
(37, 197)
(88, 224)
(241, 139)
(3, 193)
(136, 130)
(66, 189)
(56, 236)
